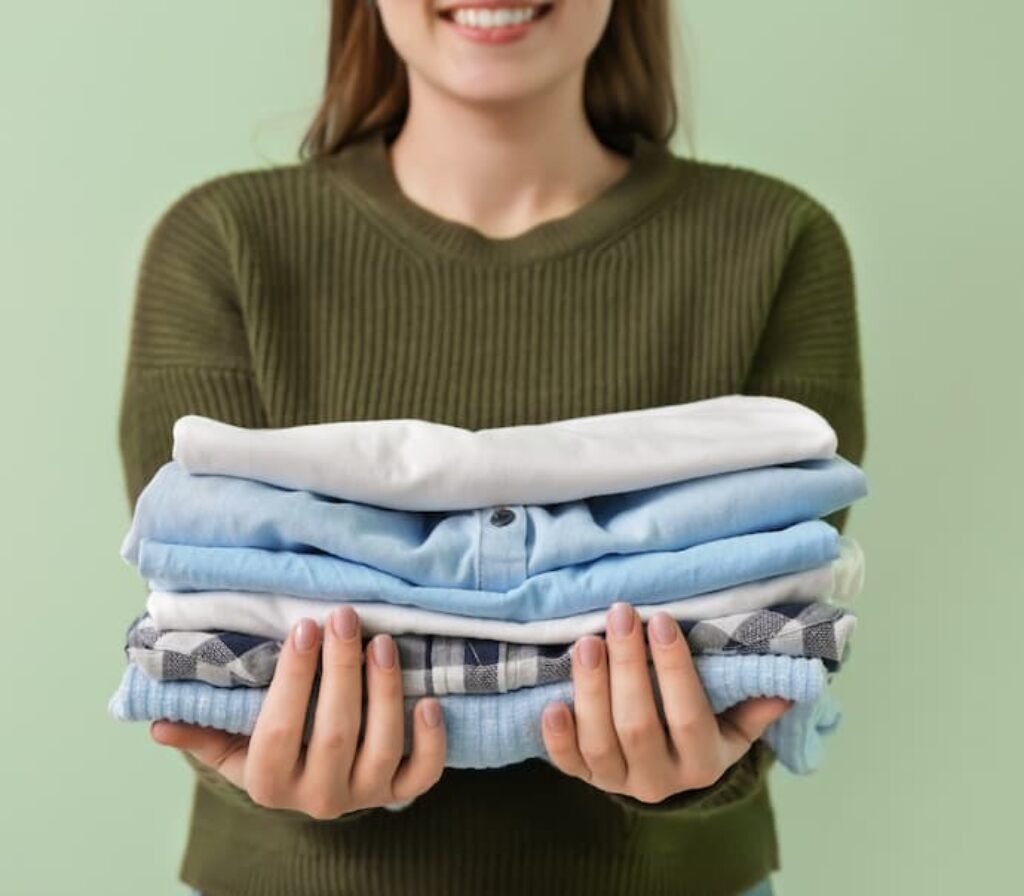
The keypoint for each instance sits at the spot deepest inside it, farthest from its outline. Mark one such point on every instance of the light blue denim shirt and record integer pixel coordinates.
(644, 578)
(494, 548)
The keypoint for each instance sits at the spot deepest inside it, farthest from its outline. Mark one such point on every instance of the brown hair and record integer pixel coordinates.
(628, 88)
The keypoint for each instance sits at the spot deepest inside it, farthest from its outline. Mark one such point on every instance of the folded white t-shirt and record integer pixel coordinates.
(411, 464)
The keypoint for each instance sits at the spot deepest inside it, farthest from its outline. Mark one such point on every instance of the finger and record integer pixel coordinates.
(223, 752)
(745, 722)
(423, 767)
(595, 732)
(559, 732)
(332, 744)
(383, 741)
(637, 723)
(277, 736)
(693, 729)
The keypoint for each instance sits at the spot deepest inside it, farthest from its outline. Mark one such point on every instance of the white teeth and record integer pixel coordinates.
(494, 18)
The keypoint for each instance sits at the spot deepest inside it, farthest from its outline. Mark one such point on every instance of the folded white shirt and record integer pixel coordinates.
(412, 464)
(273, 615)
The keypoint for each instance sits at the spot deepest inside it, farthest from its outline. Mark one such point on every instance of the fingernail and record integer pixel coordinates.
(432, 713)
(589, 650)
(663, 628)
(620, 619)
(305, 635)
(554, 717)
(343, 621)
(384, 652)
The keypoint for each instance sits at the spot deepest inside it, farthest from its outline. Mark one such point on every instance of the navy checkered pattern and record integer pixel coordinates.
(439, 665)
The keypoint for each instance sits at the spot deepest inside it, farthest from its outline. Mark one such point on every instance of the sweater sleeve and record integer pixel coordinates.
(188, 351)
(188, 354)
(810, 346)
(809, 352)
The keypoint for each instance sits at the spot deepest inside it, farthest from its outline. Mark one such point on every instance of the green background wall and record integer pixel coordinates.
(902, 118)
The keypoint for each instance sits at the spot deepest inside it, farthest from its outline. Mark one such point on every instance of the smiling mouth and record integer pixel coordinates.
(540, 10)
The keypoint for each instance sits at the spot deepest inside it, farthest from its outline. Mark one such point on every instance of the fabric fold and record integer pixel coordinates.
(448, 550)
(439, 665)
(273, 615)
(652, 577)
(413, 464)
(488, 731)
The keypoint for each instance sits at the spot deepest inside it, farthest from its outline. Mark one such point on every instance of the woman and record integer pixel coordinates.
(487, 229)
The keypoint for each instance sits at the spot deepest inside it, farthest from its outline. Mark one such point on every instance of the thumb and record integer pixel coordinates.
(745, 722)
(218, 749)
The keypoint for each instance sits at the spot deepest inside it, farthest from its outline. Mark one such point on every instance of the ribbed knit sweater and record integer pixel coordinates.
(319, 291)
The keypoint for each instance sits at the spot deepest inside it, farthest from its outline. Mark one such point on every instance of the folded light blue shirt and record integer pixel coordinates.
(492, 730)
(643, 578)
(494, 548)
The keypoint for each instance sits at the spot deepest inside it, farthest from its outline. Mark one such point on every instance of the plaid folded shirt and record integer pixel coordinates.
(438, 665)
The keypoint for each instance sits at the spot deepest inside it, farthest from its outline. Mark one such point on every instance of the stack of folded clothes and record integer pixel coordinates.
(486, 553)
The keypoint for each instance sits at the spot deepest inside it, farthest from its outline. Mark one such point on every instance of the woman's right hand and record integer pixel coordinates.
(334, 773)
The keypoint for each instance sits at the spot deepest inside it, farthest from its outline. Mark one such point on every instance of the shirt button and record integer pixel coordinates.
(502, 516)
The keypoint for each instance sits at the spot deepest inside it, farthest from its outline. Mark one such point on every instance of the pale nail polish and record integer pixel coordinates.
(305, 635)
(384, 652)
(432, 713)
(343, 621)
(620, 619)
(663, 629)
(554, 718)
(589, 650)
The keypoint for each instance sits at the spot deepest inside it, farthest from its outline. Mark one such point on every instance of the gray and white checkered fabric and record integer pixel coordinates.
(429, 665)
(224, 659)
(798, 629)
(462, 666)
(437, 665)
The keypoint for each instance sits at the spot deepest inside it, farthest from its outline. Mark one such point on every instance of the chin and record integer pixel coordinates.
(498, 84)
(484, 94)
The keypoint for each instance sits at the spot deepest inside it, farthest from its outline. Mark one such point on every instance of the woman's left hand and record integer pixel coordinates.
(617, 741)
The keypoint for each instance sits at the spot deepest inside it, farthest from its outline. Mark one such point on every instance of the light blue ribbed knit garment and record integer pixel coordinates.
(488, 731)
(450, 550)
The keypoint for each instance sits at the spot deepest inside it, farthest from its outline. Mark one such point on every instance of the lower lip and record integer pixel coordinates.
(503, 35)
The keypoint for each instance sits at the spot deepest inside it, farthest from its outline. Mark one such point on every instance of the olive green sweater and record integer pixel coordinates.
(319, 291)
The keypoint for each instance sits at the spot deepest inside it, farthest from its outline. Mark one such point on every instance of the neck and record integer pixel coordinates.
(503, 168)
